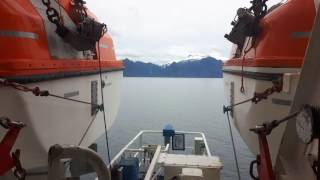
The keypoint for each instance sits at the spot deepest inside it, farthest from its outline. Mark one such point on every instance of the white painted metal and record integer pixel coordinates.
(174, 163)
(293, 160)
(267, 70)
(166, 148)
(198, 146)
(249, 115)
(317, 3)
(191, 174)
(171, 162)
(55, 121)
(153, 163)
(190, 160)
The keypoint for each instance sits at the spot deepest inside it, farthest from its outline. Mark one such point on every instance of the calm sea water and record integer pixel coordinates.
(189, 105)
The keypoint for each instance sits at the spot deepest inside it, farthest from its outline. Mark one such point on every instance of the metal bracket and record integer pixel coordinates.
(94, 97)
(8, 162)
(231, 101)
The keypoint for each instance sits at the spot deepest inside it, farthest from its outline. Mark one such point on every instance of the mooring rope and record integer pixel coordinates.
(234, 148)
(38, 92)
(242, 89)
(102, 84)
(87, 129)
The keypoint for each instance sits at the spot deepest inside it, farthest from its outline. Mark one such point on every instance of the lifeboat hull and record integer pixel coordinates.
(276, 52)
(52, 121)
(34, 54)
(249, 115)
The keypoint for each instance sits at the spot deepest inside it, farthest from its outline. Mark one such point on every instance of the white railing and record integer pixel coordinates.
(152, 165)
(166, 148)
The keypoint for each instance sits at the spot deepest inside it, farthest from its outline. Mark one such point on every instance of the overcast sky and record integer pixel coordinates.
(161, 31)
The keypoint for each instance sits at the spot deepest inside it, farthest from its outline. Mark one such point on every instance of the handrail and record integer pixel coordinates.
(166, 149)
(125, 148)
(153, 163)
(206, 144)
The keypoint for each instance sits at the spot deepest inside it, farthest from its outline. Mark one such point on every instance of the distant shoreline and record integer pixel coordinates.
(207, 67)
(173, 77)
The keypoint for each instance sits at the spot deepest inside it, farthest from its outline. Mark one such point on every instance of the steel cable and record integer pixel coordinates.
(87, 129)
(102, 103)
(234, 148)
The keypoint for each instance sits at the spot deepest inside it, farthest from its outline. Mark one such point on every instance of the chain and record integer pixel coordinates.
(52, 13)
(36, 91)
(54, 17)
(277, 87)
(257, 97)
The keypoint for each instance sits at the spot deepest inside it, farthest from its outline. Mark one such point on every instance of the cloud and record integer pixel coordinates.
(155, 30)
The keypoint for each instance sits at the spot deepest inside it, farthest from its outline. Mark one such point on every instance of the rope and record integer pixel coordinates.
(74, 100)
(60, 13)
(102, 97)
(242, 75)
(230, 107)
(38, 92)
(242, 63)
(234, 148)
(86, 131)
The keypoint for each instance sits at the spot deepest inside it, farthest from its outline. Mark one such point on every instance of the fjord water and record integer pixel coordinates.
(189, 104)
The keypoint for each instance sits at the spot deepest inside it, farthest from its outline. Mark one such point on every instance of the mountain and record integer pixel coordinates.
(207, 67)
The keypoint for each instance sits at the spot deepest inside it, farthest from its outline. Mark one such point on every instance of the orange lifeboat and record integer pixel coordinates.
(269, 45)
(60, 47)
(30, 47)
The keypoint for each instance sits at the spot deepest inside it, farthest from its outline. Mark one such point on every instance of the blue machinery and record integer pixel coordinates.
(139, 159)
(150, 155)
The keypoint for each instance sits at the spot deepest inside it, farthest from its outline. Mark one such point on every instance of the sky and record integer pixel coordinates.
(162, 31)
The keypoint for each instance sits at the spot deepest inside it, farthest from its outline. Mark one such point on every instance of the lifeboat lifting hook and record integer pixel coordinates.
(307, 125)
(263, 160)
